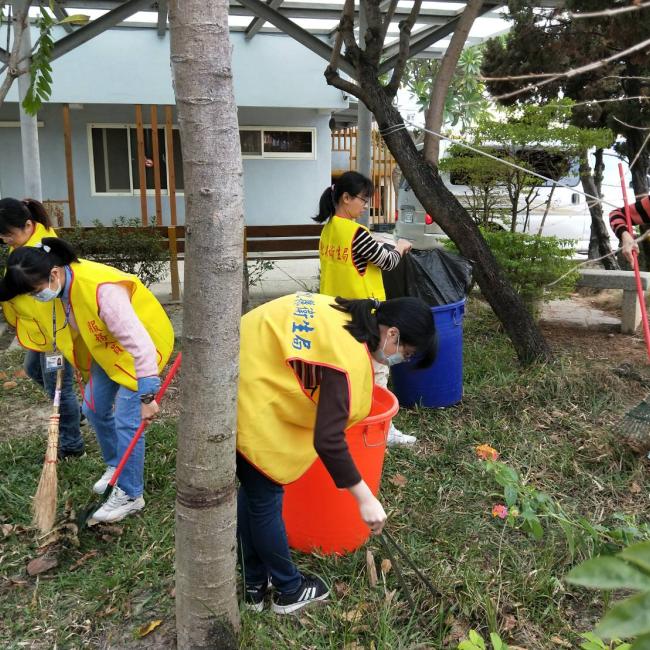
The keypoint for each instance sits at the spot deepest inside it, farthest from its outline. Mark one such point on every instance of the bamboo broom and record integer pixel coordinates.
(44, 504)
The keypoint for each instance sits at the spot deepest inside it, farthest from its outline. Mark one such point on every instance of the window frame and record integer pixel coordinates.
(91, 161)
(280, 155)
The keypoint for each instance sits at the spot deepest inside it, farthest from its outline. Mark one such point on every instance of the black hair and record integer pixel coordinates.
(29, 266)
(15, 214)
(411, 316)
(354, 183)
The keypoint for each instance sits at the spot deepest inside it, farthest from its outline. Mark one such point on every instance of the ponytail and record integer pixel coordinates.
(354, 183)
(15, 214)
(37, 211)
(29, 266)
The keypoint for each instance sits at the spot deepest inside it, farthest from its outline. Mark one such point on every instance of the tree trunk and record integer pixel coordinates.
(436, 111)
(456, 222)
(19, 23)
(599, 237)
(207, 614)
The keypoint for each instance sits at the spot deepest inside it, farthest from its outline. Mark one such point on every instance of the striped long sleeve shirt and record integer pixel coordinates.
(639, 214)
(366, 250)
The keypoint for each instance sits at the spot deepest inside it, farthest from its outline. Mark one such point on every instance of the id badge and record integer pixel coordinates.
(53, 361)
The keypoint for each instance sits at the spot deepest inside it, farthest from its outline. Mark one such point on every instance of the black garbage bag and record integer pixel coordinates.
(436, 276)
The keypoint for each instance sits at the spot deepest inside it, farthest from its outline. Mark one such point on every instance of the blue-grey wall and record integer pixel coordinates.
(130, 65)
(276, 191)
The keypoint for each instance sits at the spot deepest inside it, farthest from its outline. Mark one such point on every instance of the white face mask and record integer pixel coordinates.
(48, 294)
(391, 359)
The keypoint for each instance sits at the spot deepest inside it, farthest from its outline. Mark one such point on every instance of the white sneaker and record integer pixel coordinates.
(396, 437)
(118, 506)
(102, 484)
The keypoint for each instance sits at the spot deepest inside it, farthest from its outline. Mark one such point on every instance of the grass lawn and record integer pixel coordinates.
(554, 424)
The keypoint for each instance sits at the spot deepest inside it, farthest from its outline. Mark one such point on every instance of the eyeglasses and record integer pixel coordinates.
(364, 199)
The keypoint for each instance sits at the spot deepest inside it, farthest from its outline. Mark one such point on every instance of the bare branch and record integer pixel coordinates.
(631, 126)
(371, 39)
(608, 12)
(405, 28)
(346, 27)
(334, 79)
(388, 19)
(13, 67)
(576, 71)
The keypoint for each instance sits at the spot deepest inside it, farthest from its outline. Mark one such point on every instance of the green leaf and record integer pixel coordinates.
(476, 639)
(511, 494)
(609, 572)
(77, 19)
(497, 643)
(638, 554)
(627, 618)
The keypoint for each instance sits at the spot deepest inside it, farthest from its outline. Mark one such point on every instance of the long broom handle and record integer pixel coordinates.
(635, 263)
(143, 423)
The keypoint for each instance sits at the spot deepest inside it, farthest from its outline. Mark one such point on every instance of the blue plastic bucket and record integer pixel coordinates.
(441, 384)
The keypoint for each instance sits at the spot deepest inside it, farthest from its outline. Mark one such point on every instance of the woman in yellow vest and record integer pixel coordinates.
(306, 374)
(119, 338)
(351, 261)
(25, 223)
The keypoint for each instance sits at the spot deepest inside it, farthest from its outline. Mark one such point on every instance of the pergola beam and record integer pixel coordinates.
(257, 23)
(97, 26)
(162, 17)
(311, 42)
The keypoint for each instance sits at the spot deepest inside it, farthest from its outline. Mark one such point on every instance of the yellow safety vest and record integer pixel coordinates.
(338, 274)
(275, 415)
(94, 341)
(32, 319)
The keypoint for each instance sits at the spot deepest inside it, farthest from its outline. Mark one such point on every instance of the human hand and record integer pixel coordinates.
(149, 411)
(628, 246)
(403, 246)
(373, 514)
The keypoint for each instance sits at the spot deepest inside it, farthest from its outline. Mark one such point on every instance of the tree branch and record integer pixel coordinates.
(346, 27)
(405, 28)
(371, 40)
(334, 79)
(388, 19)
(13, 67)
(435, 112)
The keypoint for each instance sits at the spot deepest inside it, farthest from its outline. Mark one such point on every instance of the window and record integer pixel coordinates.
(114, 159)
(278, 142)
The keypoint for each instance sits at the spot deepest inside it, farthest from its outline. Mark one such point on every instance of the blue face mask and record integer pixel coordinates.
(391, 359)
(48, 294)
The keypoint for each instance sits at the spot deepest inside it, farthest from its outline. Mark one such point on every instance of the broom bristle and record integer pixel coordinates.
(44, 504)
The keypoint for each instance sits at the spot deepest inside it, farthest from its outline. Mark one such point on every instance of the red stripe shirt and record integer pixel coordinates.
(639, 214)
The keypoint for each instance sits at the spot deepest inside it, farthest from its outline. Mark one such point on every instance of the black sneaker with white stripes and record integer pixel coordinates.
(311, 590)
(254, 596)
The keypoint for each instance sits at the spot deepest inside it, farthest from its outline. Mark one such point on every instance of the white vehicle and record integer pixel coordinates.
(567, 216)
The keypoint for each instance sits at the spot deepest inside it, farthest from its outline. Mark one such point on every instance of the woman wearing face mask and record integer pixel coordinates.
(25, 223)
(306, 374)
(120, 338)
(351, 261)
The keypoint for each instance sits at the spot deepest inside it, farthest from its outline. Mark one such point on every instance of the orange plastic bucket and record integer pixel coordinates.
(319, 516)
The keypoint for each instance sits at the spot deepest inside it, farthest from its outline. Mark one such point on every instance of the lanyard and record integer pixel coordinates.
(65, 323)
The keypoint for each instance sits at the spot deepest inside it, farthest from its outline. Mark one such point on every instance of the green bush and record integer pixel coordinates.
(532, 263)
(140, 250)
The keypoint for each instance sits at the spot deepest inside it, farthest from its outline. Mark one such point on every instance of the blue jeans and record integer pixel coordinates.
(263, 546)
(114, 413)
(69, 435)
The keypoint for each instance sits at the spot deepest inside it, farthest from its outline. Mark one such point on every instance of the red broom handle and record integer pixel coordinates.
(125, 457)
(635, 263)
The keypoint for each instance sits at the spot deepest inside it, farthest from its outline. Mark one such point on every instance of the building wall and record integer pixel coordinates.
(276, 191)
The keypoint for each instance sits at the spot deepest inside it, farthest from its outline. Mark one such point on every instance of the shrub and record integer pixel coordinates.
(532, 262)
(125, 244)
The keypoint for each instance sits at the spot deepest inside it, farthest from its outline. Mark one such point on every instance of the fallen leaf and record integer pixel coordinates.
(398, 479)
(372, 569)
(509, 623)
(459, 630)
(7, 529)
(354, 645)
(561, 642)
(112, 530)
(41, 564)
(83, 559)
(341, 589)
(353, 615)
(148, 628)
(20, 373)
(8, 385)
(386, 566)
(389, 596)
(3, 376)
(635, 488)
